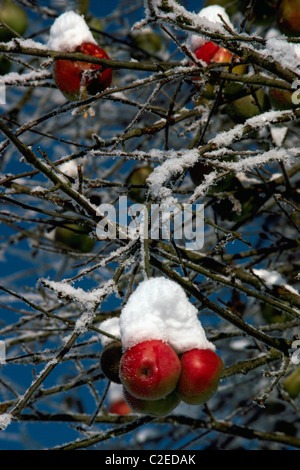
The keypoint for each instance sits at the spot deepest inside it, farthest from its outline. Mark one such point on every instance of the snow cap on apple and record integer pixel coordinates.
(68, 31)
(160, 310)
(77, 79)
(212, 14)
(112, 327)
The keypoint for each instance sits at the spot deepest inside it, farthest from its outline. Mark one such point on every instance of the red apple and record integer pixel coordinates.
(160, 407)
(206, 52)
(150, 370)
(200, 375)
(120, 407)
(76, 79)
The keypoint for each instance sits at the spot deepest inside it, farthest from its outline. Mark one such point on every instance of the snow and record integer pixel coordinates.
(68, 31)
(212, 14)
(273, 278)
(88, 299)
(115, 392)
(5, 420)
(159, 309)
(112, 327)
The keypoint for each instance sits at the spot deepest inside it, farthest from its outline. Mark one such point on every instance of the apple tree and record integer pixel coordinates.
(140, 140)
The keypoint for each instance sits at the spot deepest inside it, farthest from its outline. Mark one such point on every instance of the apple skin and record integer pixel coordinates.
(288, 17)
(14, 16)
(206, 52)
(292, 383)
(200, 375)
(75, 237)
(120, 407)
(150, 370)
(281, 99)
(138, 176)
(69, 75)
(157, 408)
(246, 107)
(110, 361)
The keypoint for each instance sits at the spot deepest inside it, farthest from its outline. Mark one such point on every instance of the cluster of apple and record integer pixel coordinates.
(156, 379)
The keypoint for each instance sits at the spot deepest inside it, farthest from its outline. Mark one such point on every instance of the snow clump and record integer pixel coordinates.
(159, 309)
(68, 31)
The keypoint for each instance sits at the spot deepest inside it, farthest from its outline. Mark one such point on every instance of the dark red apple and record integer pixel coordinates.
(200, 375)
(77, 79)
(120, 407)
(288, 17)
(150, 370)
(110, 361)
(157, 408)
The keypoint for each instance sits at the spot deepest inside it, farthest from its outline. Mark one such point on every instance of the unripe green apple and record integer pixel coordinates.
(200, 375)
(161, 407)
(75, 237)
(248, 106)
(150, 370)
(147, 40)
(292, 383)
(138, 177)
(110, 359)
(15, 17)
(288, 17)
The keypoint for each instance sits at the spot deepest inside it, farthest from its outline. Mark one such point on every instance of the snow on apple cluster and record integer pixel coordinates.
(159, 309)
(68, 31)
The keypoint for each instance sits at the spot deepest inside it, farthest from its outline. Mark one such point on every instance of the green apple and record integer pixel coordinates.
(288, 17)
(292, 383)
(157, 408)
(148, 40)
(138, 177)
(75, 237)
(248, 106)
(15, 17)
